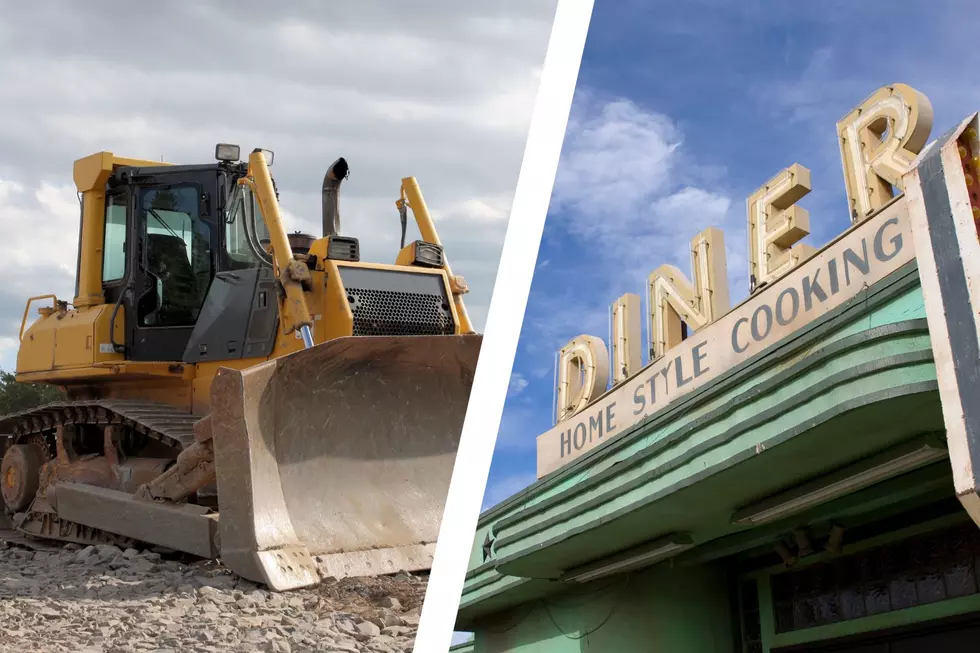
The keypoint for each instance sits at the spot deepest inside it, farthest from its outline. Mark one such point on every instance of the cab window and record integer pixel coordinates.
(114, 246)
(244, 215)
(178, 256)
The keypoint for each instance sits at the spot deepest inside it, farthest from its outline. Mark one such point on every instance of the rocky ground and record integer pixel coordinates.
(100, 599)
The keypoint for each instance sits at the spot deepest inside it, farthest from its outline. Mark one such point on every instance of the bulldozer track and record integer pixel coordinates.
(155, 420)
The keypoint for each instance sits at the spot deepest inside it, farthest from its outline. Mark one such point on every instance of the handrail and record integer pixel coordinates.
(23, 321)
(412, 196)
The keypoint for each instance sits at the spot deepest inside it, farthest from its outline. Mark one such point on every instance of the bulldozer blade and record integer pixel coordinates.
(341, 453)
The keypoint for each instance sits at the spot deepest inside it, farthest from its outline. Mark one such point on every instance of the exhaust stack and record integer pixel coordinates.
(336, 173)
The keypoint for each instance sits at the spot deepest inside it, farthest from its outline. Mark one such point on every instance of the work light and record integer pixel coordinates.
(227, 152)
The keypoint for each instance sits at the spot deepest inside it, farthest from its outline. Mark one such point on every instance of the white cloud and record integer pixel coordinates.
(615, 156)
(624, 185)
(443, 93)
(8, 352)
(517, 385)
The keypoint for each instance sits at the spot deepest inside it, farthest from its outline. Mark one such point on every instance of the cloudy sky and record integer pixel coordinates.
(443, 92)
(682, 111)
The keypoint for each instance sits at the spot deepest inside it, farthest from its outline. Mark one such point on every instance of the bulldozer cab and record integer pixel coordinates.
(167, 236)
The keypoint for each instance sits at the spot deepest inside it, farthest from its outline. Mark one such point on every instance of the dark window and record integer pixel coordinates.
(751, 623)
(178, 256)
(920, 570)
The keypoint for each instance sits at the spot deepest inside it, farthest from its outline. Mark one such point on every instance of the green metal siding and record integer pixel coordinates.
(660, 610)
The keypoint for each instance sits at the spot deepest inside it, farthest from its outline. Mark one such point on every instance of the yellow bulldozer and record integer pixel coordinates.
(236, 391)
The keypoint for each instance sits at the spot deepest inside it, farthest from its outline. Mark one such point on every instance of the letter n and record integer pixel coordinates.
(674, 300)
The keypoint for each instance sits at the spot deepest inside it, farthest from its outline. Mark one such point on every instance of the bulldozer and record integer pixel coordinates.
(236, 391)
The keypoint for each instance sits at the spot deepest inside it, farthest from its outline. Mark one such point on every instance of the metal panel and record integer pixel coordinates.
(941, 199)
(220, 330)
(260, 338)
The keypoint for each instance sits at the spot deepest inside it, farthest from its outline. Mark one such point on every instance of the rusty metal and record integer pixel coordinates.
(202, 429)
(93, 469)
(20, 475)
(306, 455)
(343, 450)
(193, 471)
(64, 451)
(43, 522)
(53, 428)
(110, 443)
(100, 472)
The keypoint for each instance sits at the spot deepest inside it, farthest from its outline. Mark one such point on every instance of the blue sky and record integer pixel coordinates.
(682, 110)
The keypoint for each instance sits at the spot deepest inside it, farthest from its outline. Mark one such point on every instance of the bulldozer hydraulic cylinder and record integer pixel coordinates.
(193, 470)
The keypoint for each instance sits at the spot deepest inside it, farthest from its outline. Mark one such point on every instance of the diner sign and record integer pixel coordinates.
(859, 259)
(791, 284)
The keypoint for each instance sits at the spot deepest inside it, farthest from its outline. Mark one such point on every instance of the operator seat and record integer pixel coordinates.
(179, 300)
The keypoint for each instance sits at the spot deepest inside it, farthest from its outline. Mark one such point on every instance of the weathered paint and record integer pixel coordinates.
(949, 253)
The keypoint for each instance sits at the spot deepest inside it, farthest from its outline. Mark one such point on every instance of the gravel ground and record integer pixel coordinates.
(100, 599)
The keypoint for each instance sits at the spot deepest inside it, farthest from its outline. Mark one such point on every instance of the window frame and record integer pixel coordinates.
(245, 221)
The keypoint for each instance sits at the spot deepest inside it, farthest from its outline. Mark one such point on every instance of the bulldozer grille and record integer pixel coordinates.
(392, 303)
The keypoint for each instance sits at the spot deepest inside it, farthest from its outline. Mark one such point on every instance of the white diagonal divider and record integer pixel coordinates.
(518, 257)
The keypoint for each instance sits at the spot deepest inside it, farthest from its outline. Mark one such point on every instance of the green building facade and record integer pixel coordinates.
(803, 500)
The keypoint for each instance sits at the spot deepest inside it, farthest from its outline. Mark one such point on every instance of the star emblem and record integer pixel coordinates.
(487, 547)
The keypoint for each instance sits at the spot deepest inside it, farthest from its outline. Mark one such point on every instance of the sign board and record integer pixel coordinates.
(943, 195)
(790, 283)
(859, 258)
